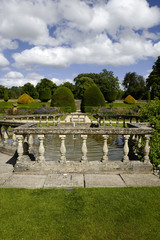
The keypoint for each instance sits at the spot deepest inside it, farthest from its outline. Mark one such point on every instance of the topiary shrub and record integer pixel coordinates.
(5, 95)
(63, 98)
(93, 97)
(45, 95)
(25, 99)
(111, 96)
(130, 99)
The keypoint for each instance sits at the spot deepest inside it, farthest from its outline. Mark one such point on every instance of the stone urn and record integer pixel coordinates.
(14, 110)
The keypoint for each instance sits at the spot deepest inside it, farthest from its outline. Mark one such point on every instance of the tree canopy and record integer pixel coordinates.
(134, 85)
(30, 90)
(153, 80)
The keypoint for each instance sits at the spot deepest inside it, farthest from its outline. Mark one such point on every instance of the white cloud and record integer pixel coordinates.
(14, 78)
(58, 81)
(115, 32)
(3, 61)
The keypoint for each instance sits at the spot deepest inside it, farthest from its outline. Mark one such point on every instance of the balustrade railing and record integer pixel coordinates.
(24, 134)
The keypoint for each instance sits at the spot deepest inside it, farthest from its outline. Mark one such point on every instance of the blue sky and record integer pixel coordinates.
(59, 39)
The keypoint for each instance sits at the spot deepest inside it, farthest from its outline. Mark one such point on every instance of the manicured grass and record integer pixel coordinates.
(123, 105)
(84, 214)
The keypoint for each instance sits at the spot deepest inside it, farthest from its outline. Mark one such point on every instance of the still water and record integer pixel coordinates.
(73, 145)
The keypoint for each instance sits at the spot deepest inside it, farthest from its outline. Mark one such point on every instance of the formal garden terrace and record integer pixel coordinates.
(28, 138)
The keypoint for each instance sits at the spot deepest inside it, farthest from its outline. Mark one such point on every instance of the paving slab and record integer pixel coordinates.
(103, 180)
(25, 181)
(66, 180)
(4, 177)
(141, 180)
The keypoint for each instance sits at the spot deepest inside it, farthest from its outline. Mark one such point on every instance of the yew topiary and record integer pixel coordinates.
(93, 97)
(130, 99)
(63, 98)
(25, 99)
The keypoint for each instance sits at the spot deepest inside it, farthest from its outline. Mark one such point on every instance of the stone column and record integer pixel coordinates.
(63, 149)
(53, 120)
(5, 135)
(139, 141)
(41, 157)
(58, 121)
(84, 148)
(126, 148)
(110, 122)
(20, 147)
(105, 149)
(47, 121)
(146, 148)
(14, 140)
(30, 142)
(103, 121)
(34, 119)
(40, 122)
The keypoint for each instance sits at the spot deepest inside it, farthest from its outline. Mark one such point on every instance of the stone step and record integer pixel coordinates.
(6, 168)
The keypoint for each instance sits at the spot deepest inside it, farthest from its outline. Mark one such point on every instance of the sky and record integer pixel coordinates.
(59, 39)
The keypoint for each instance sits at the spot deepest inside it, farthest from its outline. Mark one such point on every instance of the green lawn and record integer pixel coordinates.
(84, 214)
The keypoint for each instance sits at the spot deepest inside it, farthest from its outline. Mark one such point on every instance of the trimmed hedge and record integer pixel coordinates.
(93, 97)
(129, 99)
(63, 98)
(25, 98)
(45, 95)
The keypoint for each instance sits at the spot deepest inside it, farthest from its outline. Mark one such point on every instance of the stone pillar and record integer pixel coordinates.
(0, 133)
(40, 121)
(53, 120)
(103, 121)
(84, 148)
(30, 142)
(47, 121)
(124, 122)
(5, 135)
(20, 147)
(146, 148)
(117, 122)
(34, 119)
(139, 141)
(110, 122)
(63, 149)
(14, 140)
(105, 149)
(58, 121)
(126, 148)
(41, 148)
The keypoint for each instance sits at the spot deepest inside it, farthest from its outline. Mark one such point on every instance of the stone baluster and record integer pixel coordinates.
(13, 119)
(78, 118)
(5, 135)
(34, 119)
(84, 148)
(85, 119)
(146, 148)
(53, 120)
(20, 147)
(14, 139)
(103, 121)
(105, 149)
(30, 142)
(126, 148)
(139, 141)
(47, 121)
(59, 120)
(124, 122)
(63, 149)
(91, 118)
(40, 121)
(72, 119)
(41, 157)
(110, 122)
(117, 122)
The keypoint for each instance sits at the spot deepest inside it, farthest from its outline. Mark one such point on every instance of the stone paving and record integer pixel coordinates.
(9, 179)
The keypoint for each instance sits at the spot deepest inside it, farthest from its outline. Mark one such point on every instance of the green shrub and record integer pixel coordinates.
(111, 96)
(25, 99)
(129, 99)
(93, 97)
(6, 95)
(63, 98)
(45, 94)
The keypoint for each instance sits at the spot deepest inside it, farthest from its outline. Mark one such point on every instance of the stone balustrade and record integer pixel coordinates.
(78, 118)
(22, 134)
